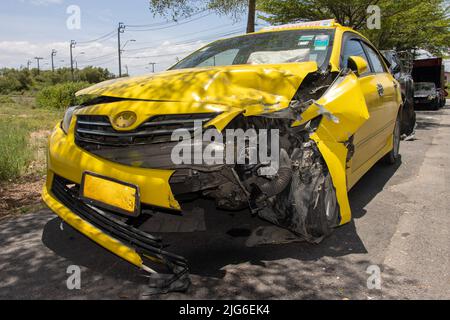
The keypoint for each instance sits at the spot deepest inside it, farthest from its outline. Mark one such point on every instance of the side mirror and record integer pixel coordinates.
(396, 69)
(357, 64)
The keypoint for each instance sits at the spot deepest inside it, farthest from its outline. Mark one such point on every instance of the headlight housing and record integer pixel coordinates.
(65, 124)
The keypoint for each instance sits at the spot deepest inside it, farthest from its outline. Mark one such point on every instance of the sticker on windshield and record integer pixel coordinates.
(304, 41)
(321, 42)
(306, 38)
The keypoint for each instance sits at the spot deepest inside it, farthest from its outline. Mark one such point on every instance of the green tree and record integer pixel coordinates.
(405, 24)
(19, 81)
(185, 8)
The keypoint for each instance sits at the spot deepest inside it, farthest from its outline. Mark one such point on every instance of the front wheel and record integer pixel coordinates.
(393, 155)
(435, 105)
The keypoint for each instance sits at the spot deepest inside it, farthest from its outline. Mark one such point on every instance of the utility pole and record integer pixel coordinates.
(153, 66)
(72, 45)
(120, 29)
(53, 64)
(37, 60)
(28, 64)
(126, 67)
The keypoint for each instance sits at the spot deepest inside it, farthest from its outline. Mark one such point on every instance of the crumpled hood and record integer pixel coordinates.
(237, 86)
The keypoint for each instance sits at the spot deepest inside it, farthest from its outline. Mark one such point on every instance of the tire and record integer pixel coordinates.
(408, 118)
(323, 215)
(308, 207)
(435, 105)
(393, 155)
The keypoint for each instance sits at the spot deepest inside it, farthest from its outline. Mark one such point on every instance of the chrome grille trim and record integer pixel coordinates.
(94, 131)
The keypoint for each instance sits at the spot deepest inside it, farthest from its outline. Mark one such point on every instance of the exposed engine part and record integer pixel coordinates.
(282, 179)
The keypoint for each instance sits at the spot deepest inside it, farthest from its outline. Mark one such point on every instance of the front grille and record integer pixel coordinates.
(94, 131)
(421, 100)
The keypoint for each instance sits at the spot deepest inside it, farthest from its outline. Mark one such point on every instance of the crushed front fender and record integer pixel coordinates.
(344, 110)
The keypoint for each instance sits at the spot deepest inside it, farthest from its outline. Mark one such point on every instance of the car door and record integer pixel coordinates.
(362, 140)
(388, 91)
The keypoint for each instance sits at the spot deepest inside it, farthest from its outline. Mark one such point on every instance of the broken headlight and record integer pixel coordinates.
(65, 124)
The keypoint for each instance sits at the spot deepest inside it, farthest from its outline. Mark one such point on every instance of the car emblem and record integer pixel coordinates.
(125, 119)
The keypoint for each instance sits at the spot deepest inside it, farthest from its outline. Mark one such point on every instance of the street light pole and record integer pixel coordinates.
(37, 60)
(120, 29)
(72, 45)
(53, 55)
(153, 66)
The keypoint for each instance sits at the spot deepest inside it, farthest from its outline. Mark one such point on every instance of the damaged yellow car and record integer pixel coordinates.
(323, 87)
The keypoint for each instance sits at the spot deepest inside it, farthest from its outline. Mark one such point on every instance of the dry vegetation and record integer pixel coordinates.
(24, 130)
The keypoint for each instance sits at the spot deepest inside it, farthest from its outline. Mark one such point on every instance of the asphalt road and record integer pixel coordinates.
(401, 224)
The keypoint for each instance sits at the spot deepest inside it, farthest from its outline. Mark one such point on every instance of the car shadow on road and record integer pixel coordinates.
(372, 183)
(224, 241)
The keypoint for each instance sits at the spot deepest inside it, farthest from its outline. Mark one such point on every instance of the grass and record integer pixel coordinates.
(23, 133)
(15, 154)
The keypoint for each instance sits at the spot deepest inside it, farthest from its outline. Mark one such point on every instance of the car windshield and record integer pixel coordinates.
(424, 86)
(265, 48)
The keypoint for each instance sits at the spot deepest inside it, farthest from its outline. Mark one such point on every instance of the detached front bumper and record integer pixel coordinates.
(127, 242)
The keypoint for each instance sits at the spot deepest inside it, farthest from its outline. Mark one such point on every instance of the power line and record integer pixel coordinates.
(105, 37)
(187, 34)
(87, 62)
(174, 25)
(164, 23)
(158, 55)
(190, 41)
(99, 60)
(186, 42)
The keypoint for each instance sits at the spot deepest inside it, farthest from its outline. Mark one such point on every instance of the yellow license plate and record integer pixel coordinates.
(110, 194)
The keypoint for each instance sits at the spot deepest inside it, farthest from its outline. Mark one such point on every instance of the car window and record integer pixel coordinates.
(221, 59)
(424, 86)
(377, 65)
(353, 47)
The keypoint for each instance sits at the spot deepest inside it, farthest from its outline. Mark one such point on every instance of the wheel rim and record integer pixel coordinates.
(330, 201)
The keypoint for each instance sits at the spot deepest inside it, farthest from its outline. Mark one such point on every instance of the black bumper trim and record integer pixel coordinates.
(142, 242)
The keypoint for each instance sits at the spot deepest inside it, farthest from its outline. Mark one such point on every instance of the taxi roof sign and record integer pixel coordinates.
(319, 23)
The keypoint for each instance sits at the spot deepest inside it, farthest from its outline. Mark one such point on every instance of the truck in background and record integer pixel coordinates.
(429, 79)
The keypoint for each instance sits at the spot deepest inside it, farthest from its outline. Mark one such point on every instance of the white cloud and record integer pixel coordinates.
(17, 53)
(42, 2)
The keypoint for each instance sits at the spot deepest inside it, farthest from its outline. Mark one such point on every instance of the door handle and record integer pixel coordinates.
(380, 89)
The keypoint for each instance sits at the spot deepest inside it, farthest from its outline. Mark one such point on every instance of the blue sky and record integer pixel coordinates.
(35, 27)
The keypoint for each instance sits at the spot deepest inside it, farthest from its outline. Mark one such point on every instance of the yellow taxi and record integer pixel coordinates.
(321, 90)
